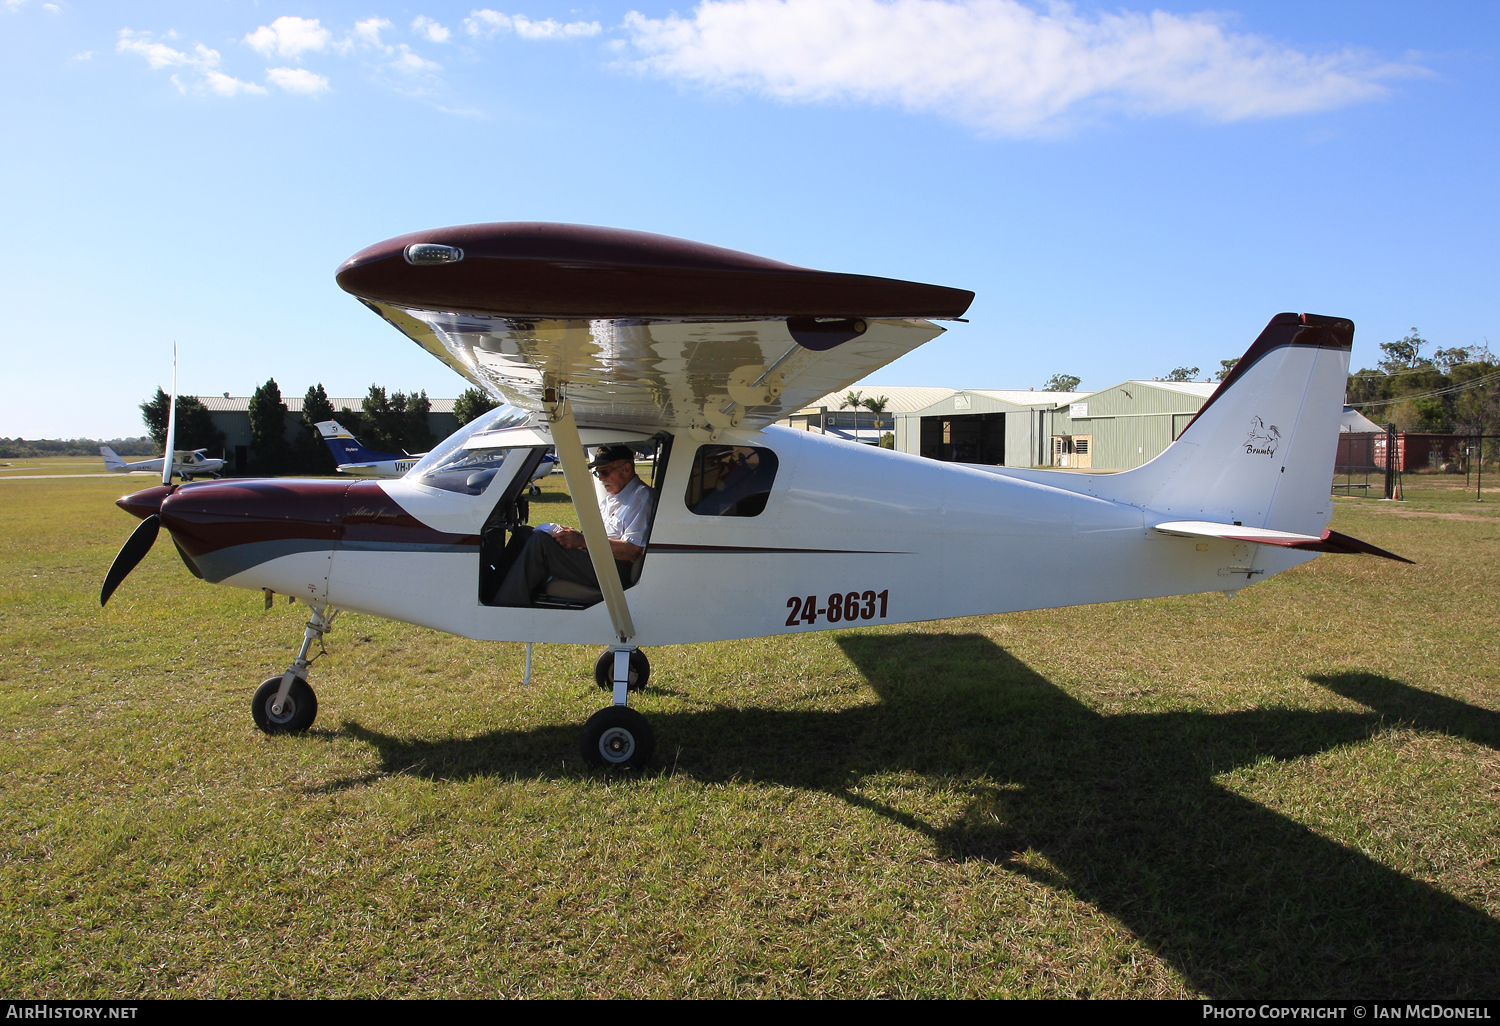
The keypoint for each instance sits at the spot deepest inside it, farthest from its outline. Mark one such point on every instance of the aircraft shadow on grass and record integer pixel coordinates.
(1240, 899)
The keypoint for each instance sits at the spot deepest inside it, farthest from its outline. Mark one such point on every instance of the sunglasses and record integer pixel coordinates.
(609, 468)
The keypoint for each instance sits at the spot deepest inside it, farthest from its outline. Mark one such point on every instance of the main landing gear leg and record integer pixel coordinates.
(286, 704)
(619, 737)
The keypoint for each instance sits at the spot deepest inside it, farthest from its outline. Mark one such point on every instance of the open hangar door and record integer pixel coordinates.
(965, 438)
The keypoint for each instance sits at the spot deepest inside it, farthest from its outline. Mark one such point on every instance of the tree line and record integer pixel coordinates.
(35, 448)
(385, 422)
(1448, 390)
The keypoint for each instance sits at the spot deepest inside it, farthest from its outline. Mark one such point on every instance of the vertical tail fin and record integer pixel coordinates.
(1261, 450)
(112, 459)
(346, 448)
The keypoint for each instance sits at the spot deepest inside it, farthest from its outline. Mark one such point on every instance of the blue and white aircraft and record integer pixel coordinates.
(353, 458)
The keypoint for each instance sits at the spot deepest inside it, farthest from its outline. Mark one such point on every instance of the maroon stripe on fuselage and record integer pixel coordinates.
(212, 516)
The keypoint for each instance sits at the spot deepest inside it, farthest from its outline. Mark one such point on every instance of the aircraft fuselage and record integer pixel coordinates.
(890, 536)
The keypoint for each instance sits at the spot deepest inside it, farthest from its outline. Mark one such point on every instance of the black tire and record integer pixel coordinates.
(639, 676)
(297, 714)
(618, 738)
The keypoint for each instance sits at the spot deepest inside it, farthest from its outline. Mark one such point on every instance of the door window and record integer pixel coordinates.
(730, 480)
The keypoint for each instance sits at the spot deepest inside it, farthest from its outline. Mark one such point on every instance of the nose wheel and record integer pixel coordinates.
(619, 737)
(297, 711)
(285, 704)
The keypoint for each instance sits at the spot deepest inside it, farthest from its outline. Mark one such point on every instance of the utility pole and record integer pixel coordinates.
(1390, 460)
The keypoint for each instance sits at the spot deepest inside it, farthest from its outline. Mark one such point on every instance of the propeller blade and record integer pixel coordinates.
(132, 552)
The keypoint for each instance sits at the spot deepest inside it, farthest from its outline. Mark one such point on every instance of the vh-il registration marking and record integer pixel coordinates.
(849, 606)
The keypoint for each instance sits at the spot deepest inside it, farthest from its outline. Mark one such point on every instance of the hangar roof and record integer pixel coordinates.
(903, 398)
(1202, 389)
(1027, 396)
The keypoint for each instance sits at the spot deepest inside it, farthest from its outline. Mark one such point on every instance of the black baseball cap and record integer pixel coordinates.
(607, 454)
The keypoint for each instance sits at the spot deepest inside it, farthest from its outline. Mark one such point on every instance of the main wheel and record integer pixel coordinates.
(297, 712)
(640, 671)
(618, 737)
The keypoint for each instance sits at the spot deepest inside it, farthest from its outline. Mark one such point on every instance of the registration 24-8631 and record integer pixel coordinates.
(846, 606)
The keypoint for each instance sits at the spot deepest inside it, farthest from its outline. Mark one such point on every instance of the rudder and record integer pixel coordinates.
(1261, 451)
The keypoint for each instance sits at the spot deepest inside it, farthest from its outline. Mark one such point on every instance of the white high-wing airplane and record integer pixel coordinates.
(689, 353)
(187, 464)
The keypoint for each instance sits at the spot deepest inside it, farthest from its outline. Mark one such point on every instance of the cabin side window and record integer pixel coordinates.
(730, 480)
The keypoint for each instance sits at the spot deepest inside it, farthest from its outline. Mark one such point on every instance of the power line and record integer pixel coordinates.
(1491, 378)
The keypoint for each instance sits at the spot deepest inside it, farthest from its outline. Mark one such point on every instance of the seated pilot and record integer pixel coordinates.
(562, 552)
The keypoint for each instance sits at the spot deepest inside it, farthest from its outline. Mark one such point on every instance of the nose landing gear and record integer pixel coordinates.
(619, 737)
(287, 704)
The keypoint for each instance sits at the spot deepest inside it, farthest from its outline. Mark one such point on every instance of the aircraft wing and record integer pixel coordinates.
(638, 329)
(1328, 541)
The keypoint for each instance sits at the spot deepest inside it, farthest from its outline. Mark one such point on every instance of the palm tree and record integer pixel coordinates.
(854, 400)
(877, 405)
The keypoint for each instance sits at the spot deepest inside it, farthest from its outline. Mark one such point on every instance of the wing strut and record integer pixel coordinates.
(575, 462)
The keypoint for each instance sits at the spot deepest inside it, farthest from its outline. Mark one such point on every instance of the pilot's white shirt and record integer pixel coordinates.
(627, 516)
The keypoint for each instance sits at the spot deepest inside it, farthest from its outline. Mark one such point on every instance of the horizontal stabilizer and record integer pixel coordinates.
(1328, 541)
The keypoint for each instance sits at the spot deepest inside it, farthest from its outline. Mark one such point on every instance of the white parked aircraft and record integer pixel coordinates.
(690, 353)
(187, 464)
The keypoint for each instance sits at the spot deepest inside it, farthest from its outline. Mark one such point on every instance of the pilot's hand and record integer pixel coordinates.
(569, 538)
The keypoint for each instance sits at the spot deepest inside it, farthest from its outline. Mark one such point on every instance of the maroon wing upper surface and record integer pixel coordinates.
(564, 270)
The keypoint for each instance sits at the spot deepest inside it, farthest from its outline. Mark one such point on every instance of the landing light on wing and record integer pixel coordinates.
(420, 253)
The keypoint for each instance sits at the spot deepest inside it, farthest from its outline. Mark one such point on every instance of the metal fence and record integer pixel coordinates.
(1375, 463)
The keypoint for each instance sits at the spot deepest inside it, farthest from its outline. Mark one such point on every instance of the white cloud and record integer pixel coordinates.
(52, 8)
(999, 65)
(86, 55)
(429, 29)
(160, 55)
(289, 36)
(485, 24)
(367, 32)
(297, 80)
(14, 5)
(202, 64)
(410, 63)
(221, 84)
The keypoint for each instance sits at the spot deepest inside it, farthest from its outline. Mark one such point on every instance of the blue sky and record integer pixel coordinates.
(1127, 189)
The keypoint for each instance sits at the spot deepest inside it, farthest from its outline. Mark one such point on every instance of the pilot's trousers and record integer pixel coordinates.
(543, 558)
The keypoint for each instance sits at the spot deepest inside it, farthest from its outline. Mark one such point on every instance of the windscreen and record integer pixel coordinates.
(453, 468)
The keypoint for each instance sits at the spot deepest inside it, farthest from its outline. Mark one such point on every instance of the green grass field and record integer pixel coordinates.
(1293, 793)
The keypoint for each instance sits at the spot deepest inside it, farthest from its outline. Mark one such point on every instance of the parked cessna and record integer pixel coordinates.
(187, 464)
(354, 459)
(689, 353)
